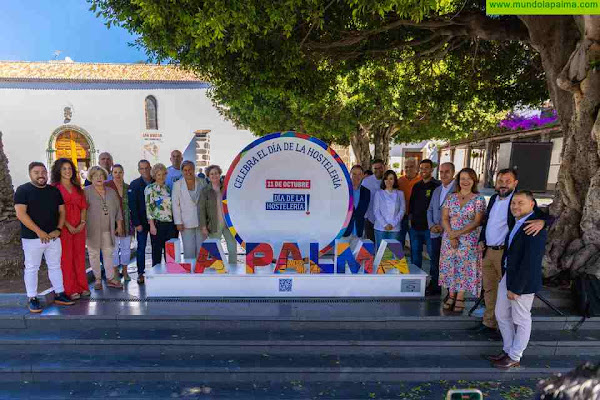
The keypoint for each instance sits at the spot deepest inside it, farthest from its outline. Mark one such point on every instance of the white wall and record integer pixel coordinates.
(555, 160)
(460, 157)
(115, 119)
(446, 156)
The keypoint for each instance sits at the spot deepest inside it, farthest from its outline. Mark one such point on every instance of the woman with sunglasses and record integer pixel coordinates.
(104, 214)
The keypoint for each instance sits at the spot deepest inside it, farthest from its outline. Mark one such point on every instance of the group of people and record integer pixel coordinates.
(60, 218)
(497, 248)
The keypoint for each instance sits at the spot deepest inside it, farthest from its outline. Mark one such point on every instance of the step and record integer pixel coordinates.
(293, 389)
(256, 315)
(405, 342)
(75, 366)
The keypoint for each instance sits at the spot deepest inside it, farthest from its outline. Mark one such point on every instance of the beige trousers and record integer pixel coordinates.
(107, 256)
(492, 274)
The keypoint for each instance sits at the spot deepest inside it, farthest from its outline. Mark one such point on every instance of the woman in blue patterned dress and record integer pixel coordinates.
(460, 261)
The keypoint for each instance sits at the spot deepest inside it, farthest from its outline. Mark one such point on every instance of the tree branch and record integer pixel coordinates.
(466, 25)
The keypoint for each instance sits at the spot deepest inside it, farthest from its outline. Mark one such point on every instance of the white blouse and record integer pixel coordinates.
(389, 209)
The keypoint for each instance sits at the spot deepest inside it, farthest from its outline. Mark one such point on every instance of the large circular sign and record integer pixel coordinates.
(287, 187)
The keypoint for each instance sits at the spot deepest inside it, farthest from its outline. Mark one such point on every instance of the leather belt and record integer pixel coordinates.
(496, 247)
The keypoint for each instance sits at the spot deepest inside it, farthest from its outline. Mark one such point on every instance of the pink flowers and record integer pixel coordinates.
(515, 122)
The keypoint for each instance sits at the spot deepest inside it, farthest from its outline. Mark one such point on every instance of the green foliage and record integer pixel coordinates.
(268, 71)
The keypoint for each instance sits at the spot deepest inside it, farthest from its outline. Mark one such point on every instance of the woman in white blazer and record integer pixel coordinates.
(186, 193)
(388, 208)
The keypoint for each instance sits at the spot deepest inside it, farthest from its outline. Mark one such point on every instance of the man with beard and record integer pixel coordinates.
(497, 223)
(522, 268)
(419, 203)
(373, 183)
(41, 210)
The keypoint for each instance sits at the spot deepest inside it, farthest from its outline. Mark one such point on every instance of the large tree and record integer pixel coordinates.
(250, 37)
(11, 255)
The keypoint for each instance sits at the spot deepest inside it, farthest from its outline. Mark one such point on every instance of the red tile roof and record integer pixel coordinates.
(73, 71)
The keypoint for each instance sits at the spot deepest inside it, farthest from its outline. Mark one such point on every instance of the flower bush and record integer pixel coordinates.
(515, 122)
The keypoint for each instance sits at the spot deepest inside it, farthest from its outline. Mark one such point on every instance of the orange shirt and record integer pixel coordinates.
(406, 186)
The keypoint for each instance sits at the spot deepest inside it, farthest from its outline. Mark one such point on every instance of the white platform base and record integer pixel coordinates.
(266, 284)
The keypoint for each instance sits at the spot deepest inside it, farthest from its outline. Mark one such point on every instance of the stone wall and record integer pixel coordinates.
(202, 149)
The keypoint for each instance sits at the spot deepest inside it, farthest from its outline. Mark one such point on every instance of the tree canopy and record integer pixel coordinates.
(305, 46)
(268, 73)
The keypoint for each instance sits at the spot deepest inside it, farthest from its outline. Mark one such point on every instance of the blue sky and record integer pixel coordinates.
(32, 30)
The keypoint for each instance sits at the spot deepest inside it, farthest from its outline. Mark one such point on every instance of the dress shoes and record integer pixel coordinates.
(496, 357)
(506, 363)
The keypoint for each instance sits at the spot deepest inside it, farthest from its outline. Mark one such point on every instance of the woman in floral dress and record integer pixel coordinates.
(460, 261)
(159, 209)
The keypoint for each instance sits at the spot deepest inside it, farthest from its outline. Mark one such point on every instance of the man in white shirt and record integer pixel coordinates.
(522, 268)
(373, 183)
(174, 171)
(495, 228)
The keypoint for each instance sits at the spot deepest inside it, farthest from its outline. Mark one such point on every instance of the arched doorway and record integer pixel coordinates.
(73, 143)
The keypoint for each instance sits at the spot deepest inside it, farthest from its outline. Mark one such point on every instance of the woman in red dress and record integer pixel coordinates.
(72, 237)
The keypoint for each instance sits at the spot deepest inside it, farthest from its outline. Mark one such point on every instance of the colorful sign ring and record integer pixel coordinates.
(288, 186)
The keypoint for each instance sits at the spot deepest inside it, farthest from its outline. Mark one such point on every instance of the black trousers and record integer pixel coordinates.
(164, 231)
(369, 230)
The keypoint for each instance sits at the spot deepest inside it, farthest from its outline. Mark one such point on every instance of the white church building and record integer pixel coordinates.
(59, 109)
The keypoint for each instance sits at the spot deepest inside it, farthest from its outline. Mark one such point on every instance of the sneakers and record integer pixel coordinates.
(34, 305)
(63, 300)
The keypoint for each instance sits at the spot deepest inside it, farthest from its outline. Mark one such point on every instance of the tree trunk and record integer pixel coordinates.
(567, 46)
(382, 138)
(11, 255)
(360, 145)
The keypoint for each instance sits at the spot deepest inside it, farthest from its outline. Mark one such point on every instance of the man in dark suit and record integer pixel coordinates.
(137, 207)
(434, 220)
(362, 198)
(497, 223)
(522, 278)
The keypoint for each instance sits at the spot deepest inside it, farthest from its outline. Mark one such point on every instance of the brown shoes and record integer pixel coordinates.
(114, 284)
(141, 280)
(506, 363)
(98, 285)
(496, 357)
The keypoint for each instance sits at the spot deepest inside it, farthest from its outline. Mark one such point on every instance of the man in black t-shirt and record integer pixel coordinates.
(41, 210)
(419, 203)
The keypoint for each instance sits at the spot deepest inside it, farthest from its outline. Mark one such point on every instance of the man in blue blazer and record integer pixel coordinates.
(434, 220)
(362, 198)
(137, 210)
(496, 226)
(522, 278)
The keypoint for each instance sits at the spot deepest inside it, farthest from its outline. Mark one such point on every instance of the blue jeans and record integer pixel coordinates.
(380, 235)
(417, 239)
(403, 230)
